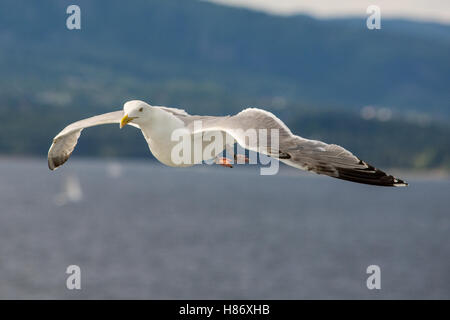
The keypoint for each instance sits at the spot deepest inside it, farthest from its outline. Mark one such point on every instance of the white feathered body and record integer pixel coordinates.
(159, 132)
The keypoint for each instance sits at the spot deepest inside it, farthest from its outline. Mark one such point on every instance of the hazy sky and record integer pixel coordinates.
(425, 10)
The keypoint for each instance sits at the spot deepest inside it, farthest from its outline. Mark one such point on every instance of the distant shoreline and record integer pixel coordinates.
(401, 172)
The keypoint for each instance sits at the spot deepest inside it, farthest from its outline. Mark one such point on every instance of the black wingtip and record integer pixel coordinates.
(370, 175)
(400, 183)
(56, 162)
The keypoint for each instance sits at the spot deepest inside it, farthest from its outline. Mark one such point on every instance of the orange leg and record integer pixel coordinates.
(224, 162)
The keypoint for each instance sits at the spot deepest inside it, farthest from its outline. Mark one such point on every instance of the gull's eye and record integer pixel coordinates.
(141, 109)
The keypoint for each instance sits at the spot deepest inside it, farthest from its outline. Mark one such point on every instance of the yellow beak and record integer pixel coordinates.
(125, 120)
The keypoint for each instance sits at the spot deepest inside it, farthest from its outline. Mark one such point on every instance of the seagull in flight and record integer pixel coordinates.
(158, 123)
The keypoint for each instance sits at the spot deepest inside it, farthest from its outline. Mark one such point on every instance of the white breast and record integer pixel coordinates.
(158, 133)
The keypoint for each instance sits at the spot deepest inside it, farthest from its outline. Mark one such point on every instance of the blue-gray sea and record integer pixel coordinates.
(140, 230)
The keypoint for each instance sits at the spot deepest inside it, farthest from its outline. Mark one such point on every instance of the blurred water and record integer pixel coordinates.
(211, 232)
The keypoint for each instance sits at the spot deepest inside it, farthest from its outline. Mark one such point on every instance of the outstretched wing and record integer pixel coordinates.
(305, 154)
(64, 143)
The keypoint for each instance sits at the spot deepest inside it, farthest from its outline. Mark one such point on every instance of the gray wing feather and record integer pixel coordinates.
(305, 154)
(174, 111)
(64, 143)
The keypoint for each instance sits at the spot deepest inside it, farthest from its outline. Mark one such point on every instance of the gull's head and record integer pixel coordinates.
(135, 111)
